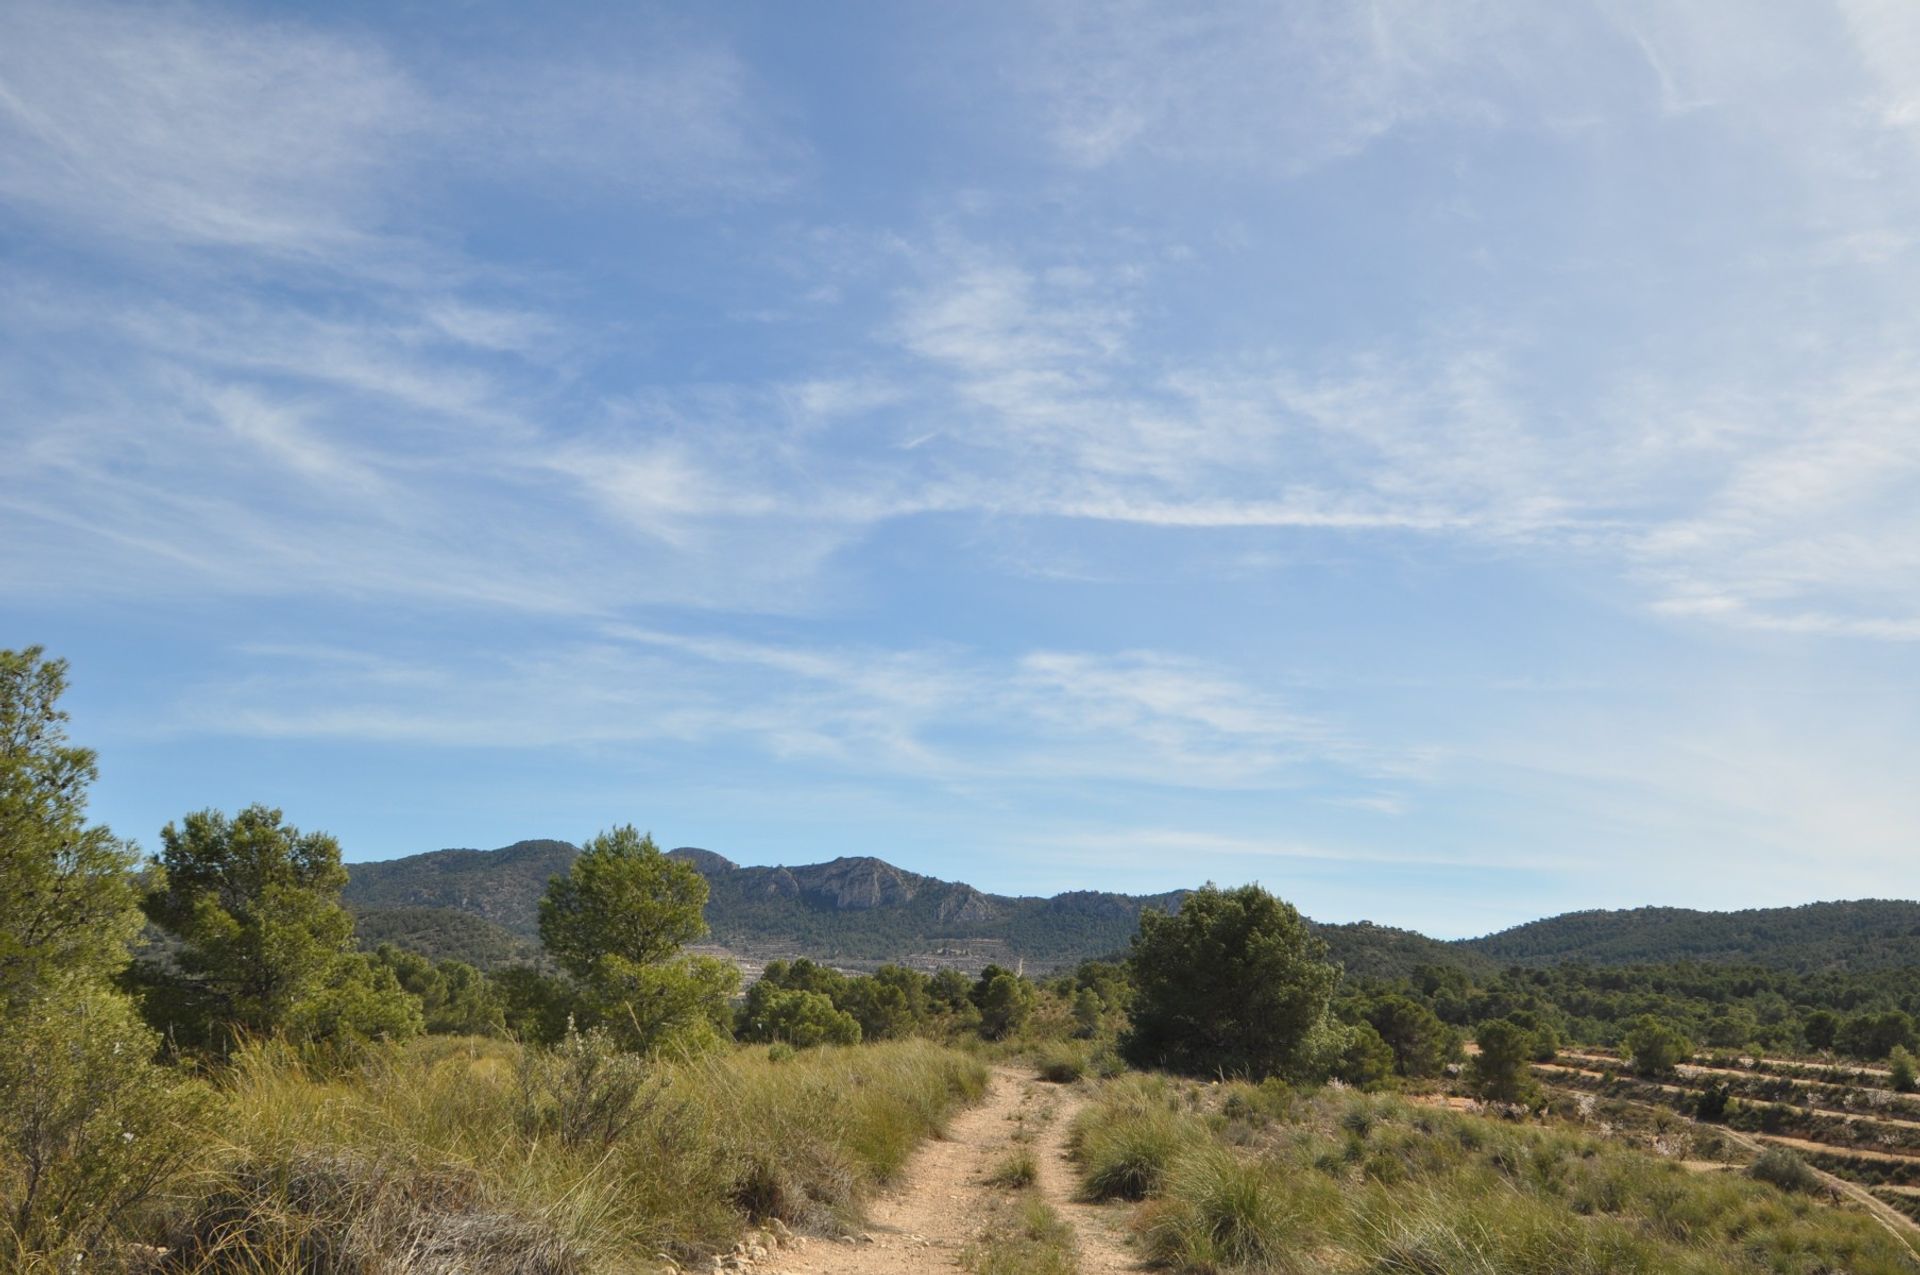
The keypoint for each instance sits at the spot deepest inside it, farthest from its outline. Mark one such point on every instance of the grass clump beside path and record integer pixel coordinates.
(474, 1155)
(1244, 1179)
(1027, 1238)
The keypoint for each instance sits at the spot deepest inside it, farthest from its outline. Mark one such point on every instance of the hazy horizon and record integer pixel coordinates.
(1453, 464)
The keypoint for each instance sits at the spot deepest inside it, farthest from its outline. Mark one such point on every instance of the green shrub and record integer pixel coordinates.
(90, 1128)
(1655, 1046)
(586, 1090)
(1901, 1066)
(1780, 1167)
(1500, 1071)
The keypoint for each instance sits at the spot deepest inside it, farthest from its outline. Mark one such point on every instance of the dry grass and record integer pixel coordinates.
(465, 1155)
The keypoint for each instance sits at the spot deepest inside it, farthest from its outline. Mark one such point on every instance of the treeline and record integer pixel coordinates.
(1722, 1007)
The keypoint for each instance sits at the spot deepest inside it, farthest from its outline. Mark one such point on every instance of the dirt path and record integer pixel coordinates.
(943, 1199)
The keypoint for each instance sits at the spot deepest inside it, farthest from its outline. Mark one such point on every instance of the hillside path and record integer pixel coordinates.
(943, 1200)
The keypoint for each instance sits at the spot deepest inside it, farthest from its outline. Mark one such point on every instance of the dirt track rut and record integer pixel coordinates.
(943, 1199)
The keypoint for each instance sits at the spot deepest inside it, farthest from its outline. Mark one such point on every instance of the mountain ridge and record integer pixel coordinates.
(860, 909)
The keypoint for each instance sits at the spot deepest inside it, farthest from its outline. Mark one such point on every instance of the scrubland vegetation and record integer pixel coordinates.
(1243, 1177)
(200, 1071)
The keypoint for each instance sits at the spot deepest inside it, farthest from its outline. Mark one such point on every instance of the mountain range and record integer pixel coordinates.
(482, 906)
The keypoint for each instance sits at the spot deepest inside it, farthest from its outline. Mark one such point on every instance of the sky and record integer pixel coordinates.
(1448, 462)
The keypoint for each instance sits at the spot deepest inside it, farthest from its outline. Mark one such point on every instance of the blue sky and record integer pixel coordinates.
(1448, 462)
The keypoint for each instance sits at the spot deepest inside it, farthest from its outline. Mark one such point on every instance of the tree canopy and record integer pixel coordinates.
(265, 944)
(1234, 982)
(616, 922)
(68, 904)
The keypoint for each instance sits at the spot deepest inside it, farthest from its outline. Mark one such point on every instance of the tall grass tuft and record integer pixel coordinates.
(1223, 1212)
(1126, 1142)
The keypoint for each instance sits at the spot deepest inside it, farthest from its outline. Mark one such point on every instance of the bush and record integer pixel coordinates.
(586, 1090)
(1005, 1001)
(1782, 1168)
(90, 1128)
(1902, 1072)
(797, 1018)
(1655, 1046)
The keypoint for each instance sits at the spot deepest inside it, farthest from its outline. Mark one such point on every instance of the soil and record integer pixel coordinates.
(943, 1199)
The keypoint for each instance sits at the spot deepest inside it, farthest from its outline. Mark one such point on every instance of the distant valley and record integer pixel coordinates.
(481, 906)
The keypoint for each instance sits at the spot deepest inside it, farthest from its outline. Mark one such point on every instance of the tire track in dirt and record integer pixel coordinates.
(943, 1199)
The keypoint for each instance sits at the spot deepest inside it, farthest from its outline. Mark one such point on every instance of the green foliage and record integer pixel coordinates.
(797, 1018)
(616, 923)
(682, 1004)
(90, 1128)
(1365, 1061)
(1422, 1045)
(359, 1003)
(1234, 982)
(441, 934)
(621, 898)
(538, 1006)
(1655, 1047)
(1779, 1166)
(1005, 1001)
(1500, 1070)
(67, 901)
(1874, 1035)
(455, 998)
(265, 944)
(1860, 936)
(1900, 1063)
(1087, 1012)
(1820, 1028)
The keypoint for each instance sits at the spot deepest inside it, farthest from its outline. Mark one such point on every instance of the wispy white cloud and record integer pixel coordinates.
(1265, 87)
(937, 714)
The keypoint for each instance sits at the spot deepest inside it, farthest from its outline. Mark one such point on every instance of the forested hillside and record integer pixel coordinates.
(1863, 934)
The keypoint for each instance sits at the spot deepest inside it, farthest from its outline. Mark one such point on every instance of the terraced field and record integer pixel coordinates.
(1844, 1121)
